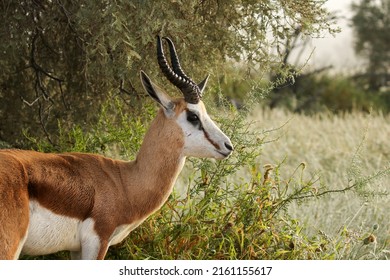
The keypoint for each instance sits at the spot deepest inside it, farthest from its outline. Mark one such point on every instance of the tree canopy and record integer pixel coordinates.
(371, 23)
(62, 58)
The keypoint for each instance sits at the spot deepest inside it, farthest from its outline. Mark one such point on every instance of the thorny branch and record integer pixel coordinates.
(132, 92)
(355, 185)
(40, 88)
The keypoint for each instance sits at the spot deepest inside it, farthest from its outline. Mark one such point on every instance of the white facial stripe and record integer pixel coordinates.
(201, 126)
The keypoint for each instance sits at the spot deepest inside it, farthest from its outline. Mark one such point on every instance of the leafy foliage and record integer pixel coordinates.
(62, 59)
(316, 93)
(115, 133)
(371, 23)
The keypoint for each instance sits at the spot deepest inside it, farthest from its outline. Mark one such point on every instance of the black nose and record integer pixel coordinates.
(228, 146)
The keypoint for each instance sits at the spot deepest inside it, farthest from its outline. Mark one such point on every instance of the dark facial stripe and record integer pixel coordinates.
(206, 135)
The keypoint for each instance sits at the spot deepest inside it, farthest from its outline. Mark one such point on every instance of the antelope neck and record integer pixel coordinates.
(159, 162)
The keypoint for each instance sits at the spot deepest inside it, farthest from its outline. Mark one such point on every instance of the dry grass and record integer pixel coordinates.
(327, 144)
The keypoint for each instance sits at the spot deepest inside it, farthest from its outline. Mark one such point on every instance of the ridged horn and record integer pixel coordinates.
(175, 60)
(177, 77)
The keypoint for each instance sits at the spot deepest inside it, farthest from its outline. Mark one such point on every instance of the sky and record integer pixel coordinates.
(335, 50)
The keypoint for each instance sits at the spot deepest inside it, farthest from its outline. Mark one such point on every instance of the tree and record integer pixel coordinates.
(62, 58)
(371, 23)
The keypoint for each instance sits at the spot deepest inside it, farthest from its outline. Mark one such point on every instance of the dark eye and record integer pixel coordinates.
(192, 118)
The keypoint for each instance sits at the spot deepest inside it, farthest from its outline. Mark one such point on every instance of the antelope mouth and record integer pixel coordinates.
(225, 155)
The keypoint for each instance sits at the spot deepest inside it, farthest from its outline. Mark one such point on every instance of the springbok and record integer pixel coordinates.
(85, 203)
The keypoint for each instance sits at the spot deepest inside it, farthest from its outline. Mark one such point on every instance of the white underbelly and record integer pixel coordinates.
(49, 232)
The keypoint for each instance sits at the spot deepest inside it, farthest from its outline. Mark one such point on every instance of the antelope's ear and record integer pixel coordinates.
(157, 94)
(203, 84)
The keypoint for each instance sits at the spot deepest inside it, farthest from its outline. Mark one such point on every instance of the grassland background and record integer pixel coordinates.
(327, 143)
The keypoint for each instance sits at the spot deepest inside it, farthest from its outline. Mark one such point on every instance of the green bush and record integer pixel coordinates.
(316, 93)
(117, 132)
(307, 93)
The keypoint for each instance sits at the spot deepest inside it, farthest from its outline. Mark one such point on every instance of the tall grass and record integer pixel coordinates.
(336, 149)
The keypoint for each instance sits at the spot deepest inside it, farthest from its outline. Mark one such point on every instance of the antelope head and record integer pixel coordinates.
(202, 137)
